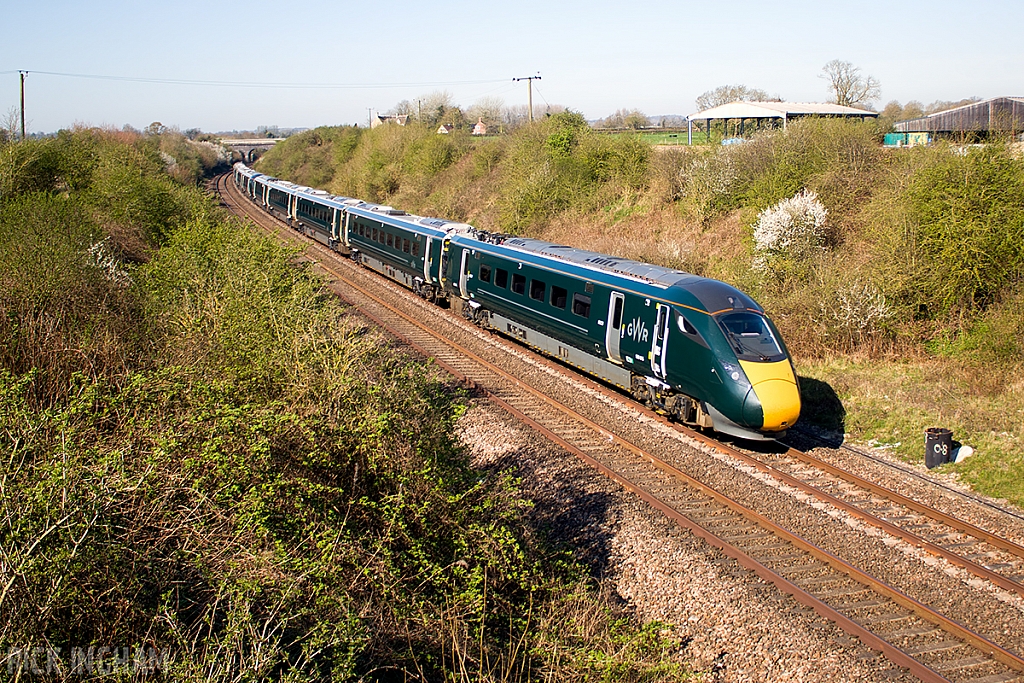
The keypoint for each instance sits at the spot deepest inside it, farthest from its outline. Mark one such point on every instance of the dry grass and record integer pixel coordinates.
(889, 403)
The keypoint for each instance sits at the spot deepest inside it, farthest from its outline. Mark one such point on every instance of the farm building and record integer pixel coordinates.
(998, 115)
(771, 111)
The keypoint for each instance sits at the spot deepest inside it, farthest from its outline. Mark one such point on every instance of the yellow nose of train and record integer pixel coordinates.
(775, 387)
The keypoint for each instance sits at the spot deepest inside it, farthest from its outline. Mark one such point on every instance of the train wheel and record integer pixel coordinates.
(640, 390)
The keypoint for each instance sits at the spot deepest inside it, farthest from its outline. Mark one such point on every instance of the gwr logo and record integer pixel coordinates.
(636, 330)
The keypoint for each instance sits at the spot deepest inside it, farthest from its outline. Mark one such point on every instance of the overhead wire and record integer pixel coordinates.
(273, 85)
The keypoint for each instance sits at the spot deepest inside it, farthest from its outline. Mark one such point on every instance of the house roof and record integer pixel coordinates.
(778, 110)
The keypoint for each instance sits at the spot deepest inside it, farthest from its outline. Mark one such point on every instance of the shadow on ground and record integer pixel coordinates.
(822, 412)
(569, 515)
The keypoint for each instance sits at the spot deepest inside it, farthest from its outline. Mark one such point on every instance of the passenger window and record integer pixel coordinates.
(581, 305)
(405, 246)
(416, 248)
(375, 234)
(558, 296)
(485, 273)
(501, 278)
(537, 288)
(518, 284)
(391, 240)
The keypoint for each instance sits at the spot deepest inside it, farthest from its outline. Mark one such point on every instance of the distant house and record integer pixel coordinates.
(381, 119)
(480, 128)
(446, 128)
(977, 120)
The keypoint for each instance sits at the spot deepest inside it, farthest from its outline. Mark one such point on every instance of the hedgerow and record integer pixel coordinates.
(207, 455)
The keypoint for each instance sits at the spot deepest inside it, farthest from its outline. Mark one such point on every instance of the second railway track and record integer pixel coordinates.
(910, 630)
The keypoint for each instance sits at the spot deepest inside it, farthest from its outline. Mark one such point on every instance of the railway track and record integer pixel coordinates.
(933, 646)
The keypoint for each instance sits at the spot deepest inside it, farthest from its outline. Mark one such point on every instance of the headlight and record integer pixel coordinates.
(735, 373)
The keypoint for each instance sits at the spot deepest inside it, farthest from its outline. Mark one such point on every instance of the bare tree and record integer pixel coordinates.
(849, 88)
(403, 108)
(943, 105)
(438, 107)
(724, 94)
(487, 109)
(625, 118)
(11, 124)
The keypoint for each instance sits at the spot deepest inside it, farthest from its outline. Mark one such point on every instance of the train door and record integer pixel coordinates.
(427, 259)
(613, 332)
(464, 273)
(442, 271)
(660, 342)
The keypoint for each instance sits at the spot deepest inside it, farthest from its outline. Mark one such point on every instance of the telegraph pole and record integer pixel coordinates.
(529, 84)
(23, 74)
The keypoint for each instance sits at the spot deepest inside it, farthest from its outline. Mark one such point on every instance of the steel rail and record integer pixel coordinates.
(910, 503)
(876, 521)
(875, 642)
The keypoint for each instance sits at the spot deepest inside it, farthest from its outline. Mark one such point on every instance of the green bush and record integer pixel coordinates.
(954, 219)
(967, 210)
(835, 158)
(559, 164)
(312, 157)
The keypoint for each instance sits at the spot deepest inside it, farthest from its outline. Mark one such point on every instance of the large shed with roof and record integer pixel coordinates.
(777, 111)
(998, 115)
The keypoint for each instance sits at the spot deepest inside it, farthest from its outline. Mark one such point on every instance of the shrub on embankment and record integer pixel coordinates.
(204, 453)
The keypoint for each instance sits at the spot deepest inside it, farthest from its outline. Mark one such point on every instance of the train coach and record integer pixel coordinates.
(697, 349)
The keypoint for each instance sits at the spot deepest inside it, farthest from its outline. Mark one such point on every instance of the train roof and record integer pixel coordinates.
(245, 170)
(326, 198)
(388, 214)
(657, 275)
(715, 296)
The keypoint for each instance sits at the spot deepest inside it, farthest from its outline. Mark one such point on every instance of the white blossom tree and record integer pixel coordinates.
(793, 229)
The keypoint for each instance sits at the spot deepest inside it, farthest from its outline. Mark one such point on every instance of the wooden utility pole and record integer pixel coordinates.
(529, 84)
(23, 74)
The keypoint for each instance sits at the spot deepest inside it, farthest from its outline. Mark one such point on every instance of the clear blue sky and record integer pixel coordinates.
(593, 57)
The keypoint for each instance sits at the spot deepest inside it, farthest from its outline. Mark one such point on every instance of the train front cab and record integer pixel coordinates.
(736, 362)
(772, 401)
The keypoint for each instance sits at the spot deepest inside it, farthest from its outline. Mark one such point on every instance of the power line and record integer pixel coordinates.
(249, 84)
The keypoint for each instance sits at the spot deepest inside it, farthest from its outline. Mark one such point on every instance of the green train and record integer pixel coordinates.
(694, 348)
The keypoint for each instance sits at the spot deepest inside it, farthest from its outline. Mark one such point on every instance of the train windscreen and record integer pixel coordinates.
(751, 337)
